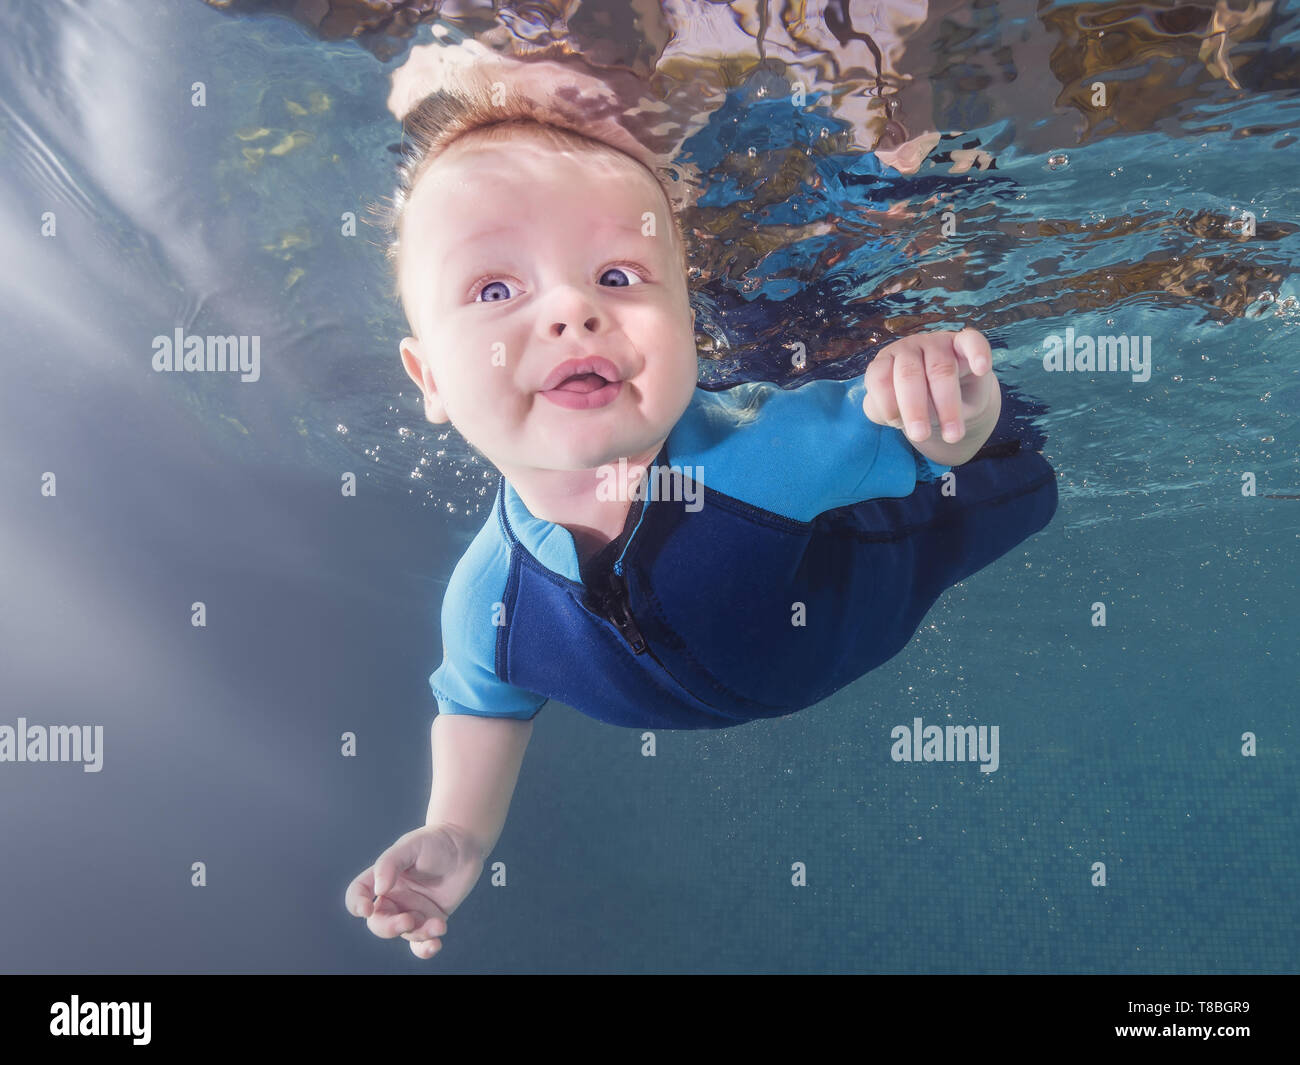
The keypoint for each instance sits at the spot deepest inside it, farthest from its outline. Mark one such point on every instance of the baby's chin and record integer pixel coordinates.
(574, 462)
(586, 454)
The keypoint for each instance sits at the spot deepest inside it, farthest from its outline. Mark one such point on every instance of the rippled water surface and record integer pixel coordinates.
(950, 164)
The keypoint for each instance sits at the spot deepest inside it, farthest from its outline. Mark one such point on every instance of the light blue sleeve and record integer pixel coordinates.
(466, 681)
(796, 452)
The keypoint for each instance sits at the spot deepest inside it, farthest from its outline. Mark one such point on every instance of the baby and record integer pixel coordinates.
(657, 555)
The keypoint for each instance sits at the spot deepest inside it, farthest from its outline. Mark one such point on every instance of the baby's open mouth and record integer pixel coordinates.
(582, 382)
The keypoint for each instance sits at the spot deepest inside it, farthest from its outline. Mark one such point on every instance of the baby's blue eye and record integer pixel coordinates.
(489, 287)
(625, 272)
(620, 277)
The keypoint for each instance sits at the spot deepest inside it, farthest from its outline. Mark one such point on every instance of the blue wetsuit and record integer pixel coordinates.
(821, 542)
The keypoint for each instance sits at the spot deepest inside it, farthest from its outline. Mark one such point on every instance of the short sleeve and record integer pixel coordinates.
(796, 452)
(466, 682)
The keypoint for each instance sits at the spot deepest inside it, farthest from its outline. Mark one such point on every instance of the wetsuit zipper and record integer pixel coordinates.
(616, 608)
(620, 613)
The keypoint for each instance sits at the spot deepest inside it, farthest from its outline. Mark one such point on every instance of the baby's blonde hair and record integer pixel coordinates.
(471, 111)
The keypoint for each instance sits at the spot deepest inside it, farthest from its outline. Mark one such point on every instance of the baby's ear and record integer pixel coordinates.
(417, 368)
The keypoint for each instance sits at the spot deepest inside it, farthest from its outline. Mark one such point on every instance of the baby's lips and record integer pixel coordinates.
(588, 364)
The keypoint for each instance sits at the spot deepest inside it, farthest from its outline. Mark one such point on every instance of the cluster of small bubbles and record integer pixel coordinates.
(1058, 161)
(405, 433)
(417, 474)
(341, 429)
(1265, 439)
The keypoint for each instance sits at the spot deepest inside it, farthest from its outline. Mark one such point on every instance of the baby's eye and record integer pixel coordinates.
(493, 292)
(627, 271)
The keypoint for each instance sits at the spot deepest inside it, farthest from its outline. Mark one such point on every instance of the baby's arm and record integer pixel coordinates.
(476, 763)
(417, 883)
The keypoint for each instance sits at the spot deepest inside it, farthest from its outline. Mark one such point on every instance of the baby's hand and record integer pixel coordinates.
(415, 885)
(934, 379)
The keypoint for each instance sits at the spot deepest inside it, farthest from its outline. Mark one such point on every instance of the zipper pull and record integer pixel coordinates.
(621, 616)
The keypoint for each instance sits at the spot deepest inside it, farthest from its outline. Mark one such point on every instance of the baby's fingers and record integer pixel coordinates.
(880, 404)
(974, 347)
(945, 392)
(388, 921)
(426, 948)
(911, 388)
(358, 898)
(434, 927)
(426, 940)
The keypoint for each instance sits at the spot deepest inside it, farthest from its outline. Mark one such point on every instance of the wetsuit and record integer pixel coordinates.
(808, 549)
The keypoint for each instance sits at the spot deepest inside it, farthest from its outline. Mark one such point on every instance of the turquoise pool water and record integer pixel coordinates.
(1170, 215)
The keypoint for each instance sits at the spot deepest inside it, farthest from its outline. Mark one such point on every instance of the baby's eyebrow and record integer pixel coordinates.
(623, 227)
(482, 234)
(486, 233)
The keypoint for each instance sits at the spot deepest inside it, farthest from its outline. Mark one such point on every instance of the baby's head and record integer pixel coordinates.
(521, 245)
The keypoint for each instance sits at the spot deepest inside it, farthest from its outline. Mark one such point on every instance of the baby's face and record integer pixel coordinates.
(517, 258)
